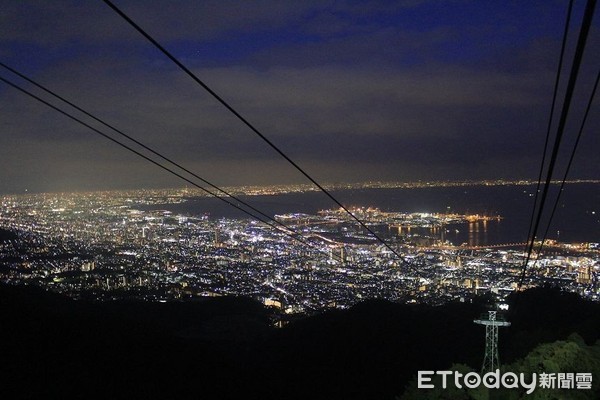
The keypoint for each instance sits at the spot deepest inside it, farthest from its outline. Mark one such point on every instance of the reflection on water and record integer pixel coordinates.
(477, 233)
(474, 236)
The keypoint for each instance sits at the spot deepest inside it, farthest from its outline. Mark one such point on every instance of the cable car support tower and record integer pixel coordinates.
(491, 361)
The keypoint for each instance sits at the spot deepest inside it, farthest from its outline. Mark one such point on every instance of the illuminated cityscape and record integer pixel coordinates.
(120, 245)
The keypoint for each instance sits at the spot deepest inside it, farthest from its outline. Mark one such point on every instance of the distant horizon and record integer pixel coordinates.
(366, 184)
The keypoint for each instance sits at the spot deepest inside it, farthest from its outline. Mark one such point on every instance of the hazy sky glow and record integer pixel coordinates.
(357, 90)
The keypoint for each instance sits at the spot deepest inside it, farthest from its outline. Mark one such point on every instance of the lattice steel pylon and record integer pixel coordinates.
(491, 361)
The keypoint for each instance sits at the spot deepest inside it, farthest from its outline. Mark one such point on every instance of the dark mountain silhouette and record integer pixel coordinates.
(225, 348)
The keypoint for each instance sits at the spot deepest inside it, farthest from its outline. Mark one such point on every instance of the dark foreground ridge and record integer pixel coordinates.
(225, 348)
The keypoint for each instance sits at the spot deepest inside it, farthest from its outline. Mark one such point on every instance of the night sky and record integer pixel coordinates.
(352, 91)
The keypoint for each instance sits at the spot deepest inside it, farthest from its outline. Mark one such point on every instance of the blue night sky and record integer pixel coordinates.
(352, 91)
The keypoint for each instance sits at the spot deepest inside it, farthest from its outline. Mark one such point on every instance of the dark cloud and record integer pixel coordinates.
(352, 91)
